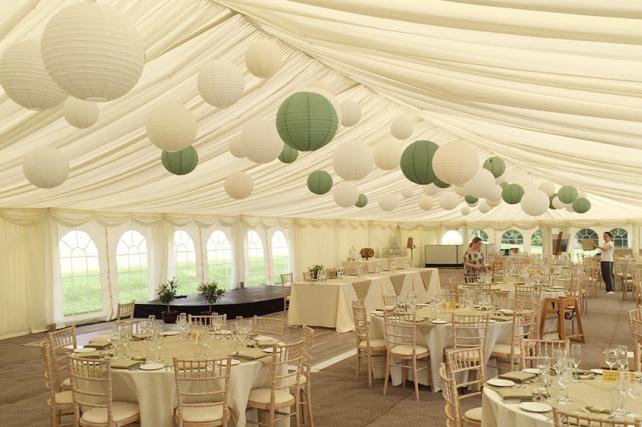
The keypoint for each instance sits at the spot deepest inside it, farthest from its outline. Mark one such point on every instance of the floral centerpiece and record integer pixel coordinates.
(315, 271)
(166, 294)
(211, 292)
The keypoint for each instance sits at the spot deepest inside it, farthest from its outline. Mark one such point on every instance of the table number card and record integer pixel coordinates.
(609, 376)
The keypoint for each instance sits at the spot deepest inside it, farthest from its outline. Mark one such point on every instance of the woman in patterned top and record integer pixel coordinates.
(473, 261)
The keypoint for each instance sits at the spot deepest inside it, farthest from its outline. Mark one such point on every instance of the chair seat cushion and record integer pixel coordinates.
(474, 414)
(201, 414)
(263, 396)
(504, 350)
(66, 383)
(120, 411)
(378, 343)
(64, 398)
(406, 350)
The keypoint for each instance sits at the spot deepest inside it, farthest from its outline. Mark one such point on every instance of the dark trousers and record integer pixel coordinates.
(607, 275)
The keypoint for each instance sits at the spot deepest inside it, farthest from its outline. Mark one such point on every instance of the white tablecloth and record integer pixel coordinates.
(329, 303)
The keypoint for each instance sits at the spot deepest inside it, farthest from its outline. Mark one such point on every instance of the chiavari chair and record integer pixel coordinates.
(366, 347)
(60, 401)
(522, 327)
(287, 279)
(533, 350)
(562, 418)
(390, 300)
(62, 343)
(449, 393)
(465, 367)
(469, 330)
(125, 311)
(268, 325)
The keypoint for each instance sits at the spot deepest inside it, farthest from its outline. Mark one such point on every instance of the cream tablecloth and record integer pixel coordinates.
(329, 303)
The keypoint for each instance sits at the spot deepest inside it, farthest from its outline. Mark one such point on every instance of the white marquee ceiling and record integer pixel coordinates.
(554, 89)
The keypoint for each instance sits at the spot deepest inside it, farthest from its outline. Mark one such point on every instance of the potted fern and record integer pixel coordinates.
(211, 292)
(166, 294)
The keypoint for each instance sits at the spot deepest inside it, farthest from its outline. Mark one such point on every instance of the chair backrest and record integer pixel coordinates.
(467, 365)
(453, 290)
(525, 291)
(203, 382)
(390, 300)
(523, 326)
(61, 344)
(52, 380)
(200, 320)
(449, 392)
(137, 326)
(400, 329)
(126, 310)
(268, 325)
(287, 279)
(563, 418)
(638, 357)
(360, 321)
(91, 384)
(636, 329)
(469, 330)
(284, 357)
(533, 350)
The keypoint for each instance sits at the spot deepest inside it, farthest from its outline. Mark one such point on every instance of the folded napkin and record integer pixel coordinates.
(521, 394)
(517, 376)
(89, 355)
(598, 410)
(252, 353)
(501, 318)
(141, 336)
(98, 344)
(124, 363)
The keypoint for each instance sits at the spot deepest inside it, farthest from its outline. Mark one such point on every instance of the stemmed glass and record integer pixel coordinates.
(622, 357)
(182, 325)
(610, 357)
(576, 359)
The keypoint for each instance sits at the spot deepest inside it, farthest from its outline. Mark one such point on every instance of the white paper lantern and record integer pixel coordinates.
(535, 202)
(482, 184)
(484, 208)
(495, 194)
(261, 141)
(448, 201)
(557, 203)
(171, 126)
(465, 210)
(24, 77)
(547, 187)
(350, 113)
(431, 189)
(456, 162)
(345, 194)
(352, 160)
(239, 185)
(263, 58)
(79, 113)
(220, 83)
(388, 203)
(459, 190)
(330, 97)
(46, 167)
(92, 51)
(401, 128)
(237, 148)
(408, 192)
(387, 155)
(426, 203)
(493, 202)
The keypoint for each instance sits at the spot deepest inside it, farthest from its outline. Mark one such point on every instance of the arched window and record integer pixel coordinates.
(537, 242)
(255, 259)
(80, 274)
(585, 234)
(185, 263)
(620, 238)
(219, 259)
(133, 271)
(479, 233)
(451, 237)
(512, 239)
(280, 255)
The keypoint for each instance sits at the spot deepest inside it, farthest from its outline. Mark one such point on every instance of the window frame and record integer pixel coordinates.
(276, 275)
(620, 240)
(452, 231)
(174, 259)
(206, 264)
(478, 232)
(147, 256)
(266, 260)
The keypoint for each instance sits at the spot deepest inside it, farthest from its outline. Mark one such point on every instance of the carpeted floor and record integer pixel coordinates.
(339, 400)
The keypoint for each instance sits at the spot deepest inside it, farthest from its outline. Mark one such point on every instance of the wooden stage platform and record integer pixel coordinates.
(245, 302)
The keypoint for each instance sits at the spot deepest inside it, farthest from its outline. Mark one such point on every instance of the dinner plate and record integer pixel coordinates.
(84, 350)
(151, 366)
(505, 311)
(439, 321)
(263, 338)
(233, 362)
(531, 370)
(170, 333)
(498, 382)
(268, 350)
(535, 407)
(597, 371)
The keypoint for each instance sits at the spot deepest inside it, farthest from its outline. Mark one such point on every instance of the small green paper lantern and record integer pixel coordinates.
(180, 162)
(581, 205)
(471, 200)
(362, 201)
(306, 121)
(512, 194)
(495, 165)
(550, 202)
(288, 154)
(416, 162)
(439, 183)
(319, 182)
(567, 194)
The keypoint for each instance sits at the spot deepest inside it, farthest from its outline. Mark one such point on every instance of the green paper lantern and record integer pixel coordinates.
(180, 162)
(581, 205)
(288, 154)
(550, 203)
(471, 200)
(306, 121)
(362, 201)
(495, 165)
(512, 194)
(416, 162)
(319, 182)
(567, 194)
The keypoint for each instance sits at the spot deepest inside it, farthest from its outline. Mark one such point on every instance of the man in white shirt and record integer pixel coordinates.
(606, 262)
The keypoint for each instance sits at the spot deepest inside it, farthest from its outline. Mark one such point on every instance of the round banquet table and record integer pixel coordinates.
(155, 391)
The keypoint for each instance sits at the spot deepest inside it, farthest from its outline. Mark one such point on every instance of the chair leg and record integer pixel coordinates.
(369, 370)
(387, 376)
(308, 393)
(358, 363)
(414, 374)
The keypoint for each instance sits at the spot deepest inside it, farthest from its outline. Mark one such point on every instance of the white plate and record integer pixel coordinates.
(439, 321)
(233, 362)
(268, 350)
(531, 371)
(263, 338)
(498, 382)
(506, 311)
(84, 350)
(597, 371)
(151, 366)
(389, 307)
(535, 407)
(225, 332)
(170, 333)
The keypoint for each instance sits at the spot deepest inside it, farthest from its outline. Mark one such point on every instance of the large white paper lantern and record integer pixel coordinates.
(481, 185)
(401, 128)
(345, 194)
(387, 155)
(388, 203)
(493, 202)
(79, 113)
(24, 77)
(46, 167)
(456, 162)
(426, 202)
(483, 207)
(239, 185)
(261, 141)
(237, 148)
(92, 51)
(408, 192)
(535, 202)
(431, 189)
(547, 187)
(350, 113)
(171, 126)
(495, 194)
(263, 58)
(220, 83)
(352, 160)
(557, 203)
(465, 210)
(448, 201)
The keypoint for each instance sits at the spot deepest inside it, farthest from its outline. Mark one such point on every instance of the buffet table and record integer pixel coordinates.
(328, 303)
(370, 265)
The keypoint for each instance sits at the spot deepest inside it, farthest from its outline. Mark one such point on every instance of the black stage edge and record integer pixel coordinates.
(444, 265)
(257, 300)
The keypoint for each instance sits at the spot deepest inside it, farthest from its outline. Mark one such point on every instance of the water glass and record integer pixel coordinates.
(182, 325)
(610, 357)
(576, 358)
(622, 357)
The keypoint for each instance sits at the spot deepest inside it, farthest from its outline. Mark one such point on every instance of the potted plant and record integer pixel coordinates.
(211, 292)
(166, 294)
(315, 271)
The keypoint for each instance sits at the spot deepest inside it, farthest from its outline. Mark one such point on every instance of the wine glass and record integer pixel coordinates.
(182, 325)
(610, 357)
(576, 358)
(622, 357)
